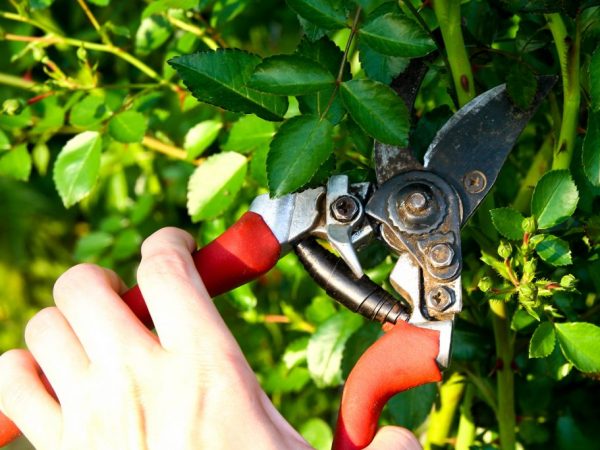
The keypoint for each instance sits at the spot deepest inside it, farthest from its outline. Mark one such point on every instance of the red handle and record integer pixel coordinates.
(401, 359)
(243, 253)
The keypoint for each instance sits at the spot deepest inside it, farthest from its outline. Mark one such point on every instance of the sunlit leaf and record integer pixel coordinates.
(16, 163)
(214, 185)
(579, 343)
(326, 347)
(200, 137)
(248, 134)
(543, 341)
(77, 167)
(554, 199)
(128, 126)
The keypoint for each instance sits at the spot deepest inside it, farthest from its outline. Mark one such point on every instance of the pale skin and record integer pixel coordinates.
(120, 386)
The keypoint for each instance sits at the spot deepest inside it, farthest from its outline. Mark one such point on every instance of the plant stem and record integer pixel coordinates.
(504, 375)
(568, 56)
(17, 82)
(441, 419)
(196, 31)
(538, 167)
(169, 150)
(466, 425)
(106, 48)
(340, 74)
(448, 16)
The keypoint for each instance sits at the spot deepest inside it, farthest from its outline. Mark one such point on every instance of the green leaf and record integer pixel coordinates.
(590, 154)
(554, 251)
(77, 167)
(153, 32)
(290, 75)
(396, 35)
(4, 141)
(214, 184)
(40, 4)
(379, 67)
(326, 348)
(16, 163)
(329, 55)
(89, 112)
(317, 433)
(543, 341)
(579, 343)
(159, 6)
(91, 246)
(248, 134)
(295, 353)
(508, 222)
(594, 73)
(100, 2)
(200, 137)
(329, 14)
(128, 127)
(220, 77)
(377, 109)
(554, 199)
(300, 146)
(411, 408)
(521, 85)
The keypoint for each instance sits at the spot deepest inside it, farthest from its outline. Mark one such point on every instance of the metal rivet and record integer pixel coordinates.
(475, 182)
(439, 298)
(441, 255)
(417, 201)
(345, 208)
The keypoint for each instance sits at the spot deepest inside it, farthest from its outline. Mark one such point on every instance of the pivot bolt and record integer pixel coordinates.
(439, 298)
(345, 208)
(441, 255)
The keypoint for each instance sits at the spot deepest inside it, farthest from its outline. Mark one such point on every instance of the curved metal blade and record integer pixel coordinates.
(471, 147)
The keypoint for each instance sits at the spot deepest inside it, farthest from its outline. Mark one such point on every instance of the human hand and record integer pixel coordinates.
(120, 386)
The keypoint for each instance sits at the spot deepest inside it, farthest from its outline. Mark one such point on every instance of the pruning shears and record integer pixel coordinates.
(416, 209)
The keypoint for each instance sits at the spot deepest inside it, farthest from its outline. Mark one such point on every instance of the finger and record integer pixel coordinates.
(57, 350)
(25, 400)
(183, 313)
(394, 438)
(87, 296)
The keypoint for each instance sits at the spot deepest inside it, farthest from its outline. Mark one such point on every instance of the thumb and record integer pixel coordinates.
(394, 438)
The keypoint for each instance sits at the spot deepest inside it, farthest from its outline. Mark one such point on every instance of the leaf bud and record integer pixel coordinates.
(529, 267)
(13, 106)
(485, 284)
(528, 225)
(504, 249)
(528, 292)
(568, 281)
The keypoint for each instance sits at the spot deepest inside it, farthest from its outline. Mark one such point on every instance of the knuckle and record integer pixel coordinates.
(41, 324)
(76, 279)
(164, 237)
(167, 262)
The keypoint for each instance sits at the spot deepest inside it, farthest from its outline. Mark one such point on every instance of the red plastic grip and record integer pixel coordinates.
(244, 252)
(401, 359)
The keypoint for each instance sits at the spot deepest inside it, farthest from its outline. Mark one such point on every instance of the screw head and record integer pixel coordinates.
(441, 255)
(345, 208)
(475, 182)
(439, 298)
